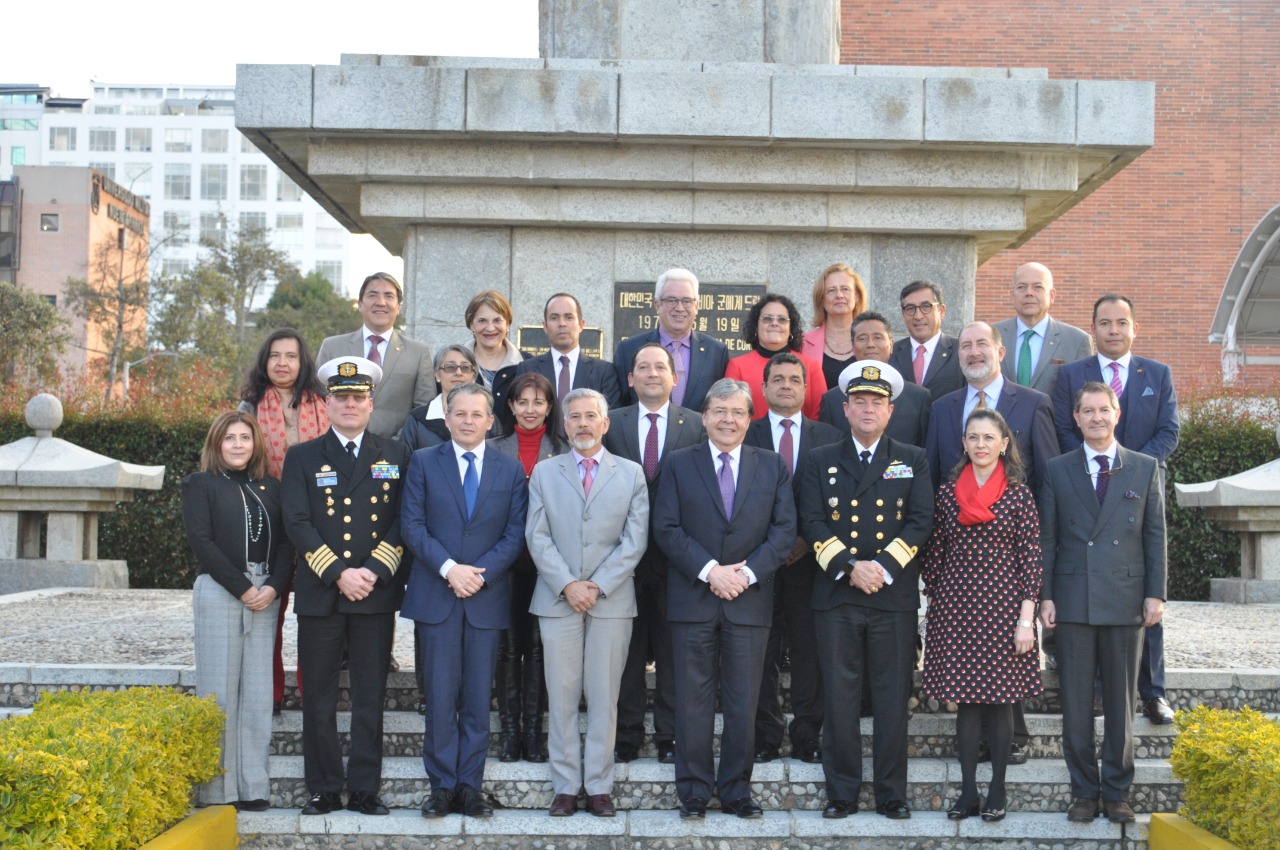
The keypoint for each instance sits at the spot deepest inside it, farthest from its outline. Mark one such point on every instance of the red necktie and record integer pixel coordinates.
(918, 364)
(787, 446)
(651, 448)
(374, 357)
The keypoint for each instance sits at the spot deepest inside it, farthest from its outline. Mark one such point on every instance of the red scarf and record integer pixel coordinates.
(975, 502)
(530, 443)
(313, 420)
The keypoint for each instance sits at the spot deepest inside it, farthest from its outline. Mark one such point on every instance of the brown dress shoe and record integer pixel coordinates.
(564, 805)
(600, 805)
(1118, 811)
(1082, 810)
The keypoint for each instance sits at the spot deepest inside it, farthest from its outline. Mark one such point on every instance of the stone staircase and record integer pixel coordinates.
(790, 791)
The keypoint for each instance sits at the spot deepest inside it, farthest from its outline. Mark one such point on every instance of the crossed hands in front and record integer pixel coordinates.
(728, 581)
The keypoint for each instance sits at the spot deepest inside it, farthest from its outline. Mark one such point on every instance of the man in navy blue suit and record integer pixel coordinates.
(700, 359)
(463, 517)
(726, 518)
(1148, 424)
(926, 356)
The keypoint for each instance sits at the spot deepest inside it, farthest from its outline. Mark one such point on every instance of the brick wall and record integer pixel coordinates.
(1167, 229)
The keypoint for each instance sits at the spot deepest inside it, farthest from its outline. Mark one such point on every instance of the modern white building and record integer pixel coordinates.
(177, 147)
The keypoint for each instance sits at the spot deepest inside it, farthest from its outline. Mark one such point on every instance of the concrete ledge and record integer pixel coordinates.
(111, 675)
(500, 100)
(685, 105)
(213, 828)
(1014, 111)
(390, 99)
(847, 108)
(1244, 591)
(270, 96)
(23, 575)
(1173, 832)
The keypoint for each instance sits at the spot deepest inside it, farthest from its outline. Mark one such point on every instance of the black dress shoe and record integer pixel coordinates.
(744, 808)
(666, 752)
(766, 754)
(625, 753)
(322, 803)
(1017, 754)
(894, 810)
(990, 814)
(959, 811)
(438, 803)
(471, 803)
(422, 707)
(366, 803)
(808, 751)
(252, 805)
(694, 807)
(840, 809)
(1159, 712)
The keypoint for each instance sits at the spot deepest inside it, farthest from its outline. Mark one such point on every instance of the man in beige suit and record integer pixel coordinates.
(407, 379)
(587, 528)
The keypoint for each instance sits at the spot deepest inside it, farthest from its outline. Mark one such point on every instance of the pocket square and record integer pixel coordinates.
(1129, 494)
(1148, 391)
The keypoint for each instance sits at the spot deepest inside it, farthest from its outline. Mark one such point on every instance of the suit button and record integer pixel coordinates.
(373, 517)
(1090, 542)
(375, 535)
(348, 519)
(1115, 542)
(373, 500)
(346, 501)
(879, 517)
(347, 536)
(346, 554)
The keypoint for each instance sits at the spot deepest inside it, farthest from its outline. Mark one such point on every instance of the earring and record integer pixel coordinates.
(1001, 454)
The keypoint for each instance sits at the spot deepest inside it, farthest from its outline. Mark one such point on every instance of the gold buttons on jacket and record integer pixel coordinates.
(373, 500)
(346, 554)
(347, 536)
(346, 501)
(374, 517)
(346, 519)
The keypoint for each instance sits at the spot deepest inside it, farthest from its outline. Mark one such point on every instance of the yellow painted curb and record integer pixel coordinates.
(213, 828)
(1171, 832)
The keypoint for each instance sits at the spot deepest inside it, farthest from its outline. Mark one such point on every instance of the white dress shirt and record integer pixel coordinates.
(930, 346)
(382, 346)
(642, 427)
(735, 456)
(458, 451)
(776, 430)
(1105, 362)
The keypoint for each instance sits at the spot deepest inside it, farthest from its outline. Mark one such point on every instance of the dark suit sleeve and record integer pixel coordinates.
(384, 561)
(926, 417)
(1044, 441)
(933, 451)
(832, 411)
(1165, 439)
(296, 502)
(776, 546)
(503, 554)
(1063, 404)
(682, 551)
(282, 562)
(198, 506)
(609, 386)
(1155, 539)
(621, 368)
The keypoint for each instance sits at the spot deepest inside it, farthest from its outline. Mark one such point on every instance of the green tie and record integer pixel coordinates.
(1024, 359)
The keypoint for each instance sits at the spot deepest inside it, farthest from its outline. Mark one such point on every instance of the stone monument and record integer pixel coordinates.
(54, 490)
(721, 137)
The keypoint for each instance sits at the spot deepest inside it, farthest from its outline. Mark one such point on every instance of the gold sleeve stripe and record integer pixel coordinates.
(827, 551)
(321, 559)
(901, 552)
(389, 555)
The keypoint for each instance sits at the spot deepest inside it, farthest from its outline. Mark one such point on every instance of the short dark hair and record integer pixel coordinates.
(577, 305)
(870, 316)
(671, 360)
(1012, 460)
(387, 278)
(751, 328)
(917, 285)
(785, 357)
(1116, 298)
(1095, 387)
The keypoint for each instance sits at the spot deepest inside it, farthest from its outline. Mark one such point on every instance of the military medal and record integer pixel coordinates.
(832, 502)
(835, 516)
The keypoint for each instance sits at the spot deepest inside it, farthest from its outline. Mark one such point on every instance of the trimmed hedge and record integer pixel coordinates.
(1230, 764)
(104, 770)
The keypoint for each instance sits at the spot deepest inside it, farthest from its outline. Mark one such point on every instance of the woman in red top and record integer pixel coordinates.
(773, 326)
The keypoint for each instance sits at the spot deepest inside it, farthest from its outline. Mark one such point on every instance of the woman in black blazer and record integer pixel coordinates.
(231, 510)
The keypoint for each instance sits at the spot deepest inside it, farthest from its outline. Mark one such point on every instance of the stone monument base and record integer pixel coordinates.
(1244, 591)
(23, 574)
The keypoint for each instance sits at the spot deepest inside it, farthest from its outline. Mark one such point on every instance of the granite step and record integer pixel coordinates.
(929, 735)
(665, 830)
(1040, 785)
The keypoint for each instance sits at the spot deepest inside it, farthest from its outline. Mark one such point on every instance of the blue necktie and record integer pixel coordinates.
(470, 483)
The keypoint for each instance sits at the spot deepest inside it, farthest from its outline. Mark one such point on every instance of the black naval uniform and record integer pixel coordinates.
(341, 514)
(882, 511)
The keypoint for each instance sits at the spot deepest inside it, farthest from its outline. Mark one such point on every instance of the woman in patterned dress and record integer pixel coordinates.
(982, 576)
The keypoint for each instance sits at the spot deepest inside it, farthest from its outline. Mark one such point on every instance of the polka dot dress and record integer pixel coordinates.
(976, 577)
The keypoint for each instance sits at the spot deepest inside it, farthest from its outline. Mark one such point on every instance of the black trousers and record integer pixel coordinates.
(368, 639)
(650, 639)
(792, 620)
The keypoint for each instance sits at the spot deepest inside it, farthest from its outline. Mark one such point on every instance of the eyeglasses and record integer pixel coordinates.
(678, 302)
(925, 309)
(457, 368)
(775, 320)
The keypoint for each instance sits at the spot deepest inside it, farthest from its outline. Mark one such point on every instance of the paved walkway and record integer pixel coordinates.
(154, 627)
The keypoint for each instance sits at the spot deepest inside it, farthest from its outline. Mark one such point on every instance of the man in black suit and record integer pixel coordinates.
(872, 340)
(866, 505)
(341, 495)
(700, 360)
(1099, 597)
(725, 517)
(565, 366)
(646, 432)
(786, 431)
(926, 356)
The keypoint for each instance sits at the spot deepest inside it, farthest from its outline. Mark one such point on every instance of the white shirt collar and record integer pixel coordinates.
(991, 390)
(734, 454)
(386, 335)
(1041, 328)
(775, 419)
(1090, 454)
(572, 355)
(358, 439)
(930, 345)
(661, 411)
(458, 451)
(859, 448)
(1104, 362)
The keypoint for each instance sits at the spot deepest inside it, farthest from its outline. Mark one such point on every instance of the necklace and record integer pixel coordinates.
(835, 351)
(254, 535)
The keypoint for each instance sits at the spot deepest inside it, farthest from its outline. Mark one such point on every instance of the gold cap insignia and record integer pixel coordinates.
(347, 370)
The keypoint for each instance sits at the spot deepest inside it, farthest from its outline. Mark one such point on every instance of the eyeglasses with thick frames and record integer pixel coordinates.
(456, 368)
(924, 309)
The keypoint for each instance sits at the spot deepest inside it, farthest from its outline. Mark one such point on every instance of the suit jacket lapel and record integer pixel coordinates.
(569, 469)
(395, 342)
(336, 456)
(706, 469)
(1133, 388)
(486, 485)
(1121, 480)
(748, 463)
(447, 463)
(676, 424)
(942, 352)
(605, 469)
(628, 420)
(1050, 343)
(369, 448)
(873, 471)
(1079, 471)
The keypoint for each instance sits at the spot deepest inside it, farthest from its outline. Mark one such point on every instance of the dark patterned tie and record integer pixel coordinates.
(1103, 477)
(787, 446)
(651, 448)
(727, 487)
(374, 356)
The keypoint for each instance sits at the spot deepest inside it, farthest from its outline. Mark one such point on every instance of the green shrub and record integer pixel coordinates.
(104, 770)
(1230, 763)
(1220, 437)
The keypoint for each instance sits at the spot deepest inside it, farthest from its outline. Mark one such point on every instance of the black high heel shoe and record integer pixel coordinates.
(990, 814)
(956, 812)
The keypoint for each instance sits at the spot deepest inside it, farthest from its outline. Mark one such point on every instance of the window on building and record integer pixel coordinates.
(19, 124)
(177, 140)
(102, 139)
(177, 227)
(253, 221)
(247, 146)
(137, 139)
(102, 109)
(213, 141)
(288, 221)
(107, 169)
(329, 237)
(331, 270)
(49, 223)
(213, 228)
(286, 189)
(213, 182)
(141, 109)
(137, 176)
(18, 155)
(62, 138)
(253, 182)
(177, 181)
(173, 267)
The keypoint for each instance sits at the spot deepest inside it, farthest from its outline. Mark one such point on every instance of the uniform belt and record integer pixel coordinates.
(257, 568)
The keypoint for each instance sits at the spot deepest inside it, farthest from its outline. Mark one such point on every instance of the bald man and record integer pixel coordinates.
(1036, 345)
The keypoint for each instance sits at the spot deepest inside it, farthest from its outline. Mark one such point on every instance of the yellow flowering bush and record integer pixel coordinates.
(103, 770)
(1230, 764)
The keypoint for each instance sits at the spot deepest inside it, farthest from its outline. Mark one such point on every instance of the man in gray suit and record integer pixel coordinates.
(1102, 530)
(407, 380)
(588, 526)
(1036, 344)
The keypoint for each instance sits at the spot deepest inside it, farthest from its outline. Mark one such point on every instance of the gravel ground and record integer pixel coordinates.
(154, 627)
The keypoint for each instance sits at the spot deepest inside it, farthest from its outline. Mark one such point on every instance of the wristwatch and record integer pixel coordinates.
(1026, 624)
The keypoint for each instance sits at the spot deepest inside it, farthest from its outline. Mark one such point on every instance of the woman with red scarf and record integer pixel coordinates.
(982, 576)
(282, 392)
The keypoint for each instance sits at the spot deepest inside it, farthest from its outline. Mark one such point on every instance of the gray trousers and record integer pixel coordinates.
(583, 655)
(233, 662)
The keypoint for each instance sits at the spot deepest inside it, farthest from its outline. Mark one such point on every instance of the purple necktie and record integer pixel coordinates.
(1115, 380)
(651, 448)
(787, 446)
(677, 392)
(374, 356)
(589, 467)
(726, 484)
(1103, 477)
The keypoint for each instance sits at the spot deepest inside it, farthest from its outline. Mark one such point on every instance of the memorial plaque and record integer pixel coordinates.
(722, 308)
(533, 339)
